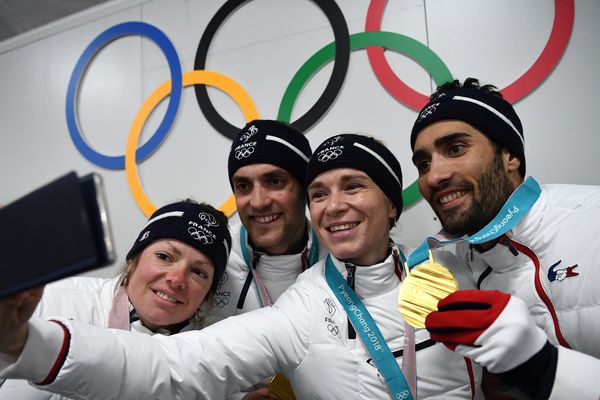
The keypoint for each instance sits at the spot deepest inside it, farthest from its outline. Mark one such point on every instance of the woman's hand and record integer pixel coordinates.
(15, 311)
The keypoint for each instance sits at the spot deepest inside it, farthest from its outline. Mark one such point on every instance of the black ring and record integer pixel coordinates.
(336, 80)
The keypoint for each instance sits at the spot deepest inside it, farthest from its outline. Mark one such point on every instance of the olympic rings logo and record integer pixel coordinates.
(430, 109)
(334, 329)
(244, 152)
(373, 40)
(199, 235)
(328, 155)
(221, 301)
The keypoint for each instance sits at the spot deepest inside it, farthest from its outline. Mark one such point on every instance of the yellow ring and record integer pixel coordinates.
(220, 81)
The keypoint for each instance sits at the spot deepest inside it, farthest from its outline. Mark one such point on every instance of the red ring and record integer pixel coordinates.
(564, 13)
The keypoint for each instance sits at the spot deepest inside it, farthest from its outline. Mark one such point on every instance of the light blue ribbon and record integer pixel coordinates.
(511, 213)
(369, 333)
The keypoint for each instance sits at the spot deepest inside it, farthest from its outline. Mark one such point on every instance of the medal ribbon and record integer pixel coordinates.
(369, 333)
(263, 293)
(516, 207)
(118, 318)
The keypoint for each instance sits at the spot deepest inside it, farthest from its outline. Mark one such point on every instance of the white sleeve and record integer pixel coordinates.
(577, 376)
(44, 343)
(213, 363)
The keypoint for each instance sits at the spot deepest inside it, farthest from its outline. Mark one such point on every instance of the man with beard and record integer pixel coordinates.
(532, 249)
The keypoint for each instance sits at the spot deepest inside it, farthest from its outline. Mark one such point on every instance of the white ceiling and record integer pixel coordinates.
(19, 16)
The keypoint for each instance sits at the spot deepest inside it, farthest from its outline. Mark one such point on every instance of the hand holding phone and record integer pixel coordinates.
(56, 231)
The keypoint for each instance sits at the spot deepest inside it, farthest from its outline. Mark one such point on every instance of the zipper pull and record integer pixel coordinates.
(350, 279)
(506, 241)
(256, 260)
(471, 251)
(350, 269)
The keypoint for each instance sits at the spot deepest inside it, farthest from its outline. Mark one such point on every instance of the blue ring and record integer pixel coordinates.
(115, 32)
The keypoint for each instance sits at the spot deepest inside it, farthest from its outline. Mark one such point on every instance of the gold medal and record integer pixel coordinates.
(422, 289)
(280, 388)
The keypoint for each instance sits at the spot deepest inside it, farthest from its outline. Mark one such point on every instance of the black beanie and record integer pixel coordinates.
(490, 114)
(270, 142)
(363, 153)
(198, 225)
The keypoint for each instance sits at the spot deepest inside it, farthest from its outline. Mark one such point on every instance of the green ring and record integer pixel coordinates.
(389, 40)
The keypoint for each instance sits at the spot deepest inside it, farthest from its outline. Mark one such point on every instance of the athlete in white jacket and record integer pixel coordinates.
(164, 253)
(84, 299)
(306, 334)
(274, 242)
(538, 244)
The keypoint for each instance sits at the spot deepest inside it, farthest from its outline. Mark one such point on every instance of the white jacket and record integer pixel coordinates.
(277, 272)
(551, 259)
(82, 299)
(304, 335)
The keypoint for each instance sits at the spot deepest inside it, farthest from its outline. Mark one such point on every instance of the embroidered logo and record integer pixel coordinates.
(221, 295)
(201, 232)
(245, 150)
(330, 306)
(208, 219)
(333, 328)
(223, 280)
(330, 153)
(437, 96)
(252, 130)
(430, 109)
(221, 301)
(145, 236)
(332, 141)
(560, 274)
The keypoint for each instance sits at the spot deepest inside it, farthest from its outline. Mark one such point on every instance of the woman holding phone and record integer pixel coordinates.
(171, 270)
(335, 334)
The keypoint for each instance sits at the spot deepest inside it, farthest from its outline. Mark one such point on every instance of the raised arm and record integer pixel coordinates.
(112, 364)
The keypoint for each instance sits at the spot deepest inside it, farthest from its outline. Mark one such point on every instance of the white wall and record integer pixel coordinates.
(261, 46)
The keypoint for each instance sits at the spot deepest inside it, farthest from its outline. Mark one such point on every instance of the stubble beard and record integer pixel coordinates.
(495, 188)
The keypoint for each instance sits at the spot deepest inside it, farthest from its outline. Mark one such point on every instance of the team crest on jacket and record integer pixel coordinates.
(330, 306)
(556, 274)
(221, 298)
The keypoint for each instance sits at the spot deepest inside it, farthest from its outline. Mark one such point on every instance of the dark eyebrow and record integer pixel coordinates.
(276, 173)
(440, 142)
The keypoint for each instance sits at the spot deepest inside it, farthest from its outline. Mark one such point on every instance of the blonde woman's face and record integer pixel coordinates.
(168, 283)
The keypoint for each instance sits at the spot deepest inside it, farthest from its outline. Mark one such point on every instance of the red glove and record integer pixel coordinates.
(492, 328)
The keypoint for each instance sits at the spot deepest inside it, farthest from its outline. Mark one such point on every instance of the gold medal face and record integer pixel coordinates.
(421, 291)
(280, 388)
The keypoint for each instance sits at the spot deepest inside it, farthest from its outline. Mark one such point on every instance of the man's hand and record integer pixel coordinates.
(15, 311)
(495, 330)
(492, 328)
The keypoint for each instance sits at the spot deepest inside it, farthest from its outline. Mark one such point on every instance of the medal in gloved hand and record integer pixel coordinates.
(424, 286)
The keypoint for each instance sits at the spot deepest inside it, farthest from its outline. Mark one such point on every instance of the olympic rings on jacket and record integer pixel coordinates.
(220, 81)
(115, 32)
(338, 75)
(564, 11)
(395, 41)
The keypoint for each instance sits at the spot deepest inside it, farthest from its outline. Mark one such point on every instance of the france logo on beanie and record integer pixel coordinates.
(270, 142)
